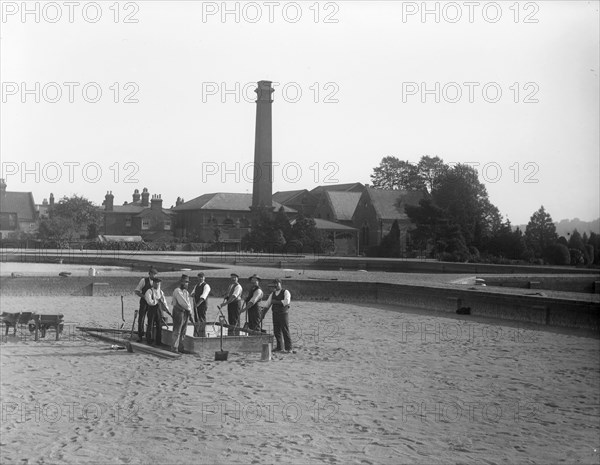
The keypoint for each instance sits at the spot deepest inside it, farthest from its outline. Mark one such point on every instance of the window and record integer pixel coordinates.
(145, 223)
(128, 222)
(8, 221)
(167, 224)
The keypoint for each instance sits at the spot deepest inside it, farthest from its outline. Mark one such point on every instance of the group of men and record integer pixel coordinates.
(192, 306)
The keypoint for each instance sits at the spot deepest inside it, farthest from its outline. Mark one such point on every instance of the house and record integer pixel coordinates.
(221, 216)
(17, 212)
(377, 210)
(43, 208)
(144, 216)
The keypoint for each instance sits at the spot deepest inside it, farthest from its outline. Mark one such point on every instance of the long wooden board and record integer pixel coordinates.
(137, 347)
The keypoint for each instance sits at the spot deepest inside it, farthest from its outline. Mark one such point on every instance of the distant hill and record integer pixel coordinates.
(564, 227)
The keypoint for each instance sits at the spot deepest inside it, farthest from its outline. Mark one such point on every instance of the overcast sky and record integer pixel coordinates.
(510, 87)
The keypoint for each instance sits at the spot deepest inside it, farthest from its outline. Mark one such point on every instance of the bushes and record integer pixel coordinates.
(557, 254)
(576, 257)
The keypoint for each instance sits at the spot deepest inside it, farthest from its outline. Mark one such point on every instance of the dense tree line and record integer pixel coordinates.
(455, 221)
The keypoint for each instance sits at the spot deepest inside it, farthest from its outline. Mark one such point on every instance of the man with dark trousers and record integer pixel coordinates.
(182, 312)
(233, 300)
(140, 291)
(280, 300)
(200, 294)
(155, 298)
(251, 303)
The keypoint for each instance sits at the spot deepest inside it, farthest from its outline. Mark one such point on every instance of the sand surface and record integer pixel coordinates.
(368, 385)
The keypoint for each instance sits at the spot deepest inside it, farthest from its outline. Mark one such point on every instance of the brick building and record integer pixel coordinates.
(17, 212)
(144, 216)
(223, 214)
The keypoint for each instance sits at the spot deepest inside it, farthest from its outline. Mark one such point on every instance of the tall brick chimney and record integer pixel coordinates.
(108, 201)
(145, 198)
(262, 188)
(179, 201)
(156, 203)
(136, 195)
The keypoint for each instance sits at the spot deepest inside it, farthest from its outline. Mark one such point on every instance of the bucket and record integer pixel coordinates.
(265, 355)
(221, 355)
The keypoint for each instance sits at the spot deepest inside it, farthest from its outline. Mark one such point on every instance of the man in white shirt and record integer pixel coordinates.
(233, 300)
(140, 291)
(200, 294)
(182, 311)
(280, 300)
(155, 298)
(251, 303)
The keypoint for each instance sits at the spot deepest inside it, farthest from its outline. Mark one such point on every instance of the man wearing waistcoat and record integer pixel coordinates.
(200, 294)
(140, 291)
(251, 303)
(155, 298)
(233, 300)
(280, 300)
(182, 311)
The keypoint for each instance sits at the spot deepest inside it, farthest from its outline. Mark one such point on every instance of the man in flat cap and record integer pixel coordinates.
(233, 300)
(182, 311)
(140, 291)
(156, 301)
(200, 294)
(251, 303)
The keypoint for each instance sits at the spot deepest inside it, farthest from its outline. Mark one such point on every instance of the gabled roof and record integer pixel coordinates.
(389, 204)
(343, 204)
(284, 197)
(230, 201)
(20, 203)
(355, 187)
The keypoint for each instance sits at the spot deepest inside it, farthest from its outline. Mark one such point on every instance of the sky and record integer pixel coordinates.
(117, 96)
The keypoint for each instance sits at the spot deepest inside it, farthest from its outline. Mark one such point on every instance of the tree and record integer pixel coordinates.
(576, 241)
(71, 218)
(266, 235)
(540, 232)
(594, 242)
(393, 173)
(558, 254)
(429, 170)
(435, 227)
(390, 244)
(506, 243)
(459, 192)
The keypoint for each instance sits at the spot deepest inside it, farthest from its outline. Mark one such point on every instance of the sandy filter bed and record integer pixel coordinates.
(367, 385)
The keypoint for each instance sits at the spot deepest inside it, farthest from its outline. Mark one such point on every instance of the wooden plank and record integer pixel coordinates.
(137, 347)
